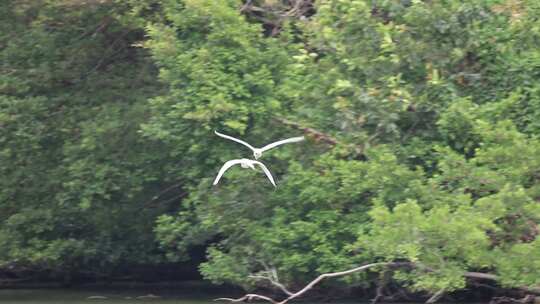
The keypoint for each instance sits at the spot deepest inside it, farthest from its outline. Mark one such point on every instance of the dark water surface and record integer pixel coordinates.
(113, 296)
(129, 295)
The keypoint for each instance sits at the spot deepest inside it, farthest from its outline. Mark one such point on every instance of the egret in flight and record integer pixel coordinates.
(244, 163)
(257, 152)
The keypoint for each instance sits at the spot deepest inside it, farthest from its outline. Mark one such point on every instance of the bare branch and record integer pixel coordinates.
(492, 277)
(433, 299)
(381, 285)
(480, 275)
(336, 274)
(276, 283)
(162, 192)
(277, 14)
(439, 294)
(318, 135)
(270, 274)
(315, 282)
(245, 6)
(102, 27)
(299, 9)
(157, 198)
(248, 297)
(379, 295)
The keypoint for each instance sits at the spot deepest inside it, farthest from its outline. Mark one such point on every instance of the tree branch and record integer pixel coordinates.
(481, 275)
(273, 282)
(318, 135)
(492, 277)
(248, 297)
(315, 282)
(337, 274)
(383, 280)
(439, 294)
(272, 277)
(245, 6)
(291, 295)
(162, 192)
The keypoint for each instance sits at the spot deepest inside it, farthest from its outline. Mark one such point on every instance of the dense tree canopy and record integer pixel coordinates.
(75, 171)
(422, 121)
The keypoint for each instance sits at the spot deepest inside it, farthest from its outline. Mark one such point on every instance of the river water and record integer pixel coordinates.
(110, 296)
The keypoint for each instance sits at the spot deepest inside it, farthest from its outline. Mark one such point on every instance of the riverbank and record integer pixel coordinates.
(184, 293)
(77, 296)
(190, 291)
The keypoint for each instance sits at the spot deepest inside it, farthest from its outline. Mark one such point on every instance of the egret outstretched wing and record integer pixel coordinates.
(225, 167)
(266, 171)
(281, 142)
(234, 139)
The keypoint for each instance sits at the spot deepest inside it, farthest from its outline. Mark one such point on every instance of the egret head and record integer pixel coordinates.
(257, 154)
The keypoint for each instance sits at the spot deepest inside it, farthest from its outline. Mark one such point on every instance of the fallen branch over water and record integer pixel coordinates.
(314, 282)
(291, 295)
(248, 297)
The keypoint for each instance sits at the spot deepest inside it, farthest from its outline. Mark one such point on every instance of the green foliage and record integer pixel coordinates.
(75, 173)
(436, 140)
(421, 119)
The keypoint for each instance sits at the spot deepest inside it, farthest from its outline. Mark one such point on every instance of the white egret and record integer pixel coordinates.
(244, 163)
(257, 152)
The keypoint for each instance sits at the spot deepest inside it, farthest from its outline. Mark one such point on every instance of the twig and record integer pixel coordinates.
(480, 275)
(439, 294)
(106, 55)
(102, 26)
(245, 6)
(380, 287)
(318, 135)
(379, 295)
(492, 277)
(275, 283)
(162, 192)
(174, 198)
(272, 277)
(297, 8)
(248, 297)
(316, 281)
(156, 198)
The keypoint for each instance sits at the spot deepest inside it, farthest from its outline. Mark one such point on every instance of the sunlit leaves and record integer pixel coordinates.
(436, 156)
